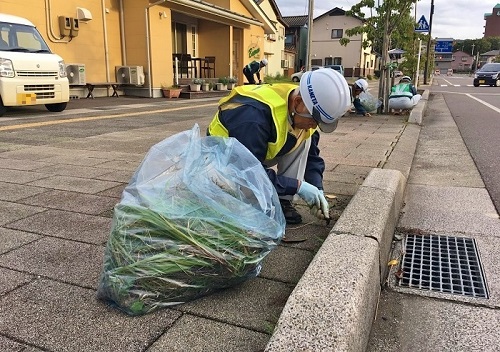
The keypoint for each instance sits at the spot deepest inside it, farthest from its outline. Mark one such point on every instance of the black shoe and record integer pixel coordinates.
(292, 216)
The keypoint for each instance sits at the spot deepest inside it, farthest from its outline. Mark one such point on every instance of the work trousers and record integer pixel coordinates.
(249, 76)
(404, 103)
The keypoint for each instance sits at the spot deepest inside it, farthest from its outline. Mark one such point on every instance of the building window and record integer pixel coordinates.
(328, 61)
(316, 62)
(337, 61)
(337, 33)
(464, 58)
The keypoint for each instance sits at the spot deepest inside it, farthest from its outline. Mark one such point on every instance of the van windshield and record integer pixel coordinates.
(18, 37)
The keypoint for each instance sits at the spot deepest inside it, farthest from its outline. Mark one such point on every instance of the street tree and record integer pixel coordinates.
(385, 20)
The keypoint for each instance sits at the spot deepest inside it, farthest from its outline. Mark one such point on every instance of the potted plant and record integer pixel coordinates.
(205, 86)
(231, 82)
(195, 85)
(222, 83)
(172, 91)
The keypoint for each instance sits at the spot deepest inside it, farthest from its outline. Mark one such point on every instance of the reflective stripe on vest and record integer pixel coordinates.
(274, 96)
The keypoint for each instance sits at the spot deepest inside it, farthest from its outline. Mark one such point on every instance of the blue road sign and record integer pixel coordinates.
(443, 46)
(422, 25)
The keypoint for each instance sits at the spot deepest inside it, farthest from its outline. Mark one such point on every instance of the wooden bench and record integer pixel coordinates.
(91, 85)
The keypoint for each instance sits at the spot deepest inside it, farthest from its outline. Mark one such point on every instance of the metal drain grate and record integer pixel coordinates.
(444, 264)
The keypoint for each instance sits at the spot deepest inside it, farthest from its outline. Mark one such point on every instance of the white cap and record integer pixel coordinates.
(263, 62)
(363, 84)
(326, 95)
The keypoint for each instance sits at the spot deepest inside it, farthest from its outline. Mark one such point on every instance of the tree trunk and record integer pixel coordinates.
(384, 72)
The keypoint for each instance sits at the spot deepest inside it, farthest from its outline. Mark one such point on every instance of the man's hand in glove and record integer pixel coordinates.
(322, 213)
(315, 199)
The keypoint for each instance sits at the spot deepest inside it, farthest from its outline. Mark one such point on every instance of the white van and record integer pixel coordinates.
(30, 74)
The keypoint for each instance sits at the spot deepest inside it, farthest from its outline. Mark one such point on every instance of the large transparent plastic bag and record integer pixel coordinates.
(369, 102)
(198, 215)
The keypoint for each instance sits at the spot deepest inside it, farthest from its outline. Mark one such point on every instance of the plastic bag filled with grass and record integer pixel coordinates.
(199, 214)
(369, 102)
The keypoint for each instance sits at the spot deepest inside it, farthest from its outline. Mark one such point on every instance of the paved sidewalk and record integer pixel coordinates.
(445, 196)
(56, 202)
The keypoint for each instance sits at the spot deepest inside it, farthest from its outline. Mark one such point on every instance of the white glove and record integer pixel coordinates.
(322, 213)
(310, 194)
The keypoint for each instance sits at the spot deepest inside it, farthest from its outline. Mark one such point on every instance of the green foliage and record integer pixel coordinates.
(400, 23)
(197, 81)
(482, 45)
(278, 78)
(223, 80)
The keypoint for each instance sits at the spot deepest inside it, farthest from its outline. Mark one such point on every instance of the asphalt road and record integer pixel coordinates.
(476, 111)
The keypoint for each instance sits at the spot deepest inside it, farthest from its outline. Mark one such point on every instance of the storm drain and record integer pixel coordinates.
(443, 264)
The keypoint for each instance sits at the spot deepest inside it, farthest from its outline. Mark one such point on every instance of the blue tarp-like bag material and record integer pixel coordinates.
(198, 215)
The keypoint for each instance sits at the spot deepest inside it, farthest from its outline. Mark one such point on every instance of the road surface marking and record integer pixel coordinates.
(484, 103)
(93, 118)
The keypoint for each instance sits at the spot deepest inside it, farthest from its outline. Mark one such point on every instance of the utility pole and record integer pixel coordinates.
(426, 70)
(472, 54)
(309, 34)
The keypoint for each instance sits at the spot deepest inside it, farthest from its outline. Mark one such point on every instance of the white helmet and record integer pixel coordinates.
(263, 62)
(326, 95)
(405, 79)
(363, 84)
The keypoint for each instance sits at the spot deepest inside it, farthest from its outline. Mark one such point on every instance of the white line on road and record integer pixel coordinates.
(485, 103)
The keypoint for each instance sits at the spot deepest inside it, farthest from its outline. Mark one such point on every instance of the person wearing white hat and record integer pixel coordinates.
(403, 96)
(359, 86)
(279, 125)
(253, 68)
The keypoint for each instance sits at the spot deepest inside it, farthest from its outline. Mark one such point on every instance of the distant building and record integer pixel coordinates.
(489, 56)
(461, 61)
(328, 29)
(492, 26)
(443, 57)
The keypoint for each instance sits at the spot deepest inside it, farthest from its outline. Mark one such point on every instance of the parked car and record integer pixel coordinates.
(437, 73)
(296, 76)
(449, 72)
(338, 68)
(488, 75)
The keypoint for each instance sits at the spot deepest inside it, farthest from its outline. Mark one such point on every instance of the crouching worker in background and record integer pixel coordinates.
(358, 87)
(253, 68)
(279, 125)
(403, 96)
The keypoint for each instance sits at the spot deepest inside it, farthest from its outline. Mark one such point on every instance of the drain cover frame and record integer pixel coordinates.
(444, 264)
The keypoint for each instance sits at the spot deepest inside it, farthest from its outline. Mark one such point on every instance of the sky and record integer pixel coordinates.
(457, 19)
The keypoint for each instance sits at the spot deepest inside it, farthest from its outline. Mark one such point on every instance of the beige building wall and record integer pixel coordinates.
(101, 47)
(323, 46)
(89, 47)
(274, 44)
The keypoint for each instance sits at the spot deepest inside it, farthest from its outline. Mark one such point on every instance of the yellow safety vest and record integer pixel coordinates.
(274, 96)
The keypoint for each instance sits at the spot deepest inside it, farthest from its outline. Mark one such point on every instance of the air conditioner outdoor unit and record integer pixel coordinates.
(285, 64)
(76, 74)
(133, 75)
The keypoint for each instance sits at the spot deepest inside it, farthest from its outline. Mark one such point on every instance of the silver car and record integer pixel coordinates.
(296, 76)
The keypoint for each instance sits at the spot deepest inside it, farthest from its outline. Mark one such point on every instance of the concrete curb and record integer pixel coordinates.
(333, 306)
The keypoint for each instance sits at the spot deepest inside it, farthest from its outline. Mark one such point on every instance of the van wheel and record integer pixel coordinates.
(3, 109)
(295, 79)
(476, 84)
(58, 107)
